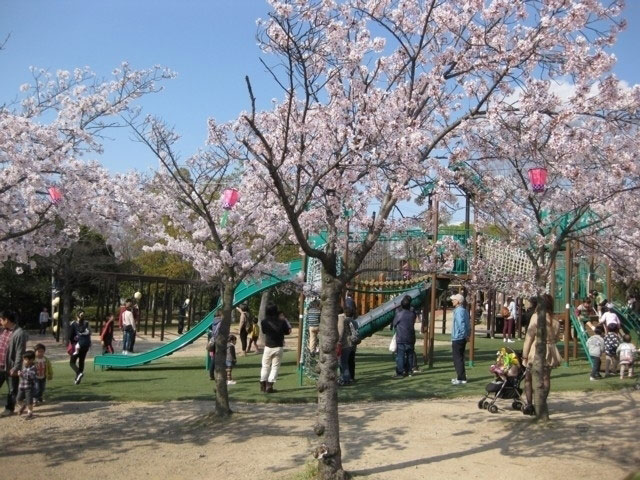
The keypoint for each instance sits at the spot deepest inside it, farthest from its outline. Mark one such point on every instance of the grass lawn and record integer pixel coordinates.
(186, 379)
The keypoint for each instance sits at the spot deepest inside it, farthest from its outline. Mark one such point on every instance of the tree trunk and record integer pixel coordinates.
(328, 453)
(65, 321)
(221, 393)
(262, 312)
(540, 371)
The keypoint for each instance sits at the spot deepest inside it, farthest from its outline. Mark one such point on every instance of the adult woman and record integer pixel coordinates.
(552, 358)
(274, 327)
(509, 321)
(245, 325)
(80, 341)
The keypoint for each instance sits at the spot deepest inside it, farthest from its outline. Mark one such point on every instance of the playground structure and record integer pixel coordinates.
(390, 271)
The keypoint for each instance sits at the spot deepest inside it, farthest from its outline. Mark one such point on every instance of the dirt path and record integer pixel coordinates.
(398, 441)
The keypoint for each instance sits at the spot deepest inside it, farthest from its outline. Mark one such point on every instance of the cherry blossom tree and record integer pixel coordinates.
(588, 144)
(181, 209)
(47, 188)
(378, 97)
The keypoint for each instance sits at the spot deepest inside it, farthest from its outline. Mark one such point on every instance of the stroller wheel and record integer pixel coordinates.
(481, 404)
(493, 409)
(529, 410)
(485, 404)
(516, 405)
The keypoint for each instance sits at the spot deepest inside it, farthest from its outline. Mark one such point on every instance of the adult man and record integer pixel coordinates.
(43, 320)
(129, 327)
(460, 332)
(403, 324)
(13, 343)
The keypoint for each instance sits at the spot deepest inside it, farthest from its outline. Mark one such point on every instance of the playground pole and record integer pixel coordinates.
(474, 304)
(301, 317)
(434, 285)
(472, 341)
(567, 301)
(432, 319)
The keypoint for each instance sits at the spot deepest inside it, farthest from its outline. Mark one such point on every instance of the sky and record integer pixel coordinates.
(211, 44)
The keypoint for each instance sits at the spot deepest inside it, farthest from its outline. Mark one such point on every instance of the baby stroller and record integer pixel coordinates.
(509, 373)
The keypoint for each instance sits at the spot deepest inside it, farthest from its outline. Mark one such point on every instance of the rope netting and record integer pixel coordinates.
(504, 264)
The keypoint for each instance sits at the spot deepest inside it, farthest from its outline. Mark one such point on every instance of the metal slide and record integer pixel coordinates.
(242, 293)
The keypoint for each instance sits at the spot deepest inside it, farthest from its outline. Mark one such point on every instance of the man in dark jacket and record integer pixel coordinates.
(403, 324)
(13, 343)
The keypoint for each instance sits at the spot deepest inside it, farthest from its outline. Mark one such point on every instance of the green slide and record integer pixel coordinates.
(583, 336)
(381, 316)
(242, 293)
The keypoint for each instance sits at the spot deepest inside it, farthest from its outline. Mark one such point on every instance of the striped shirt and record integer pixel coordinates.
(313, 317)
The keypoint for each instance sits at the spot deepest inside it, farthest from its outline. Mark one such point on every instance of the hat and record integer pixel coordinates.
(610, 306)
(457, 297)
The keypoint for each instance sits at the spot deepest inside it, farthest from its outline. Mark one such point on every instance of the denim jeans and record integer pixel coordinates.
(404, 358)
(457, 348)
(595, 370)
(12, 384)
(127, 340)
(38, 390)
(345, 372)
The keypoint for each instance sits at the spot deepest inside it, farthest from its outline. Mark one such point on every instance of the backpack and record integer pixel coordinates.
(505, 312)
(354, 336)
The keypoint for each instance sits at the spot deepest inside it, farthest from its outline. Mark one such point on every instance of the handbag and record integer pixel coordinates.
(393, 346)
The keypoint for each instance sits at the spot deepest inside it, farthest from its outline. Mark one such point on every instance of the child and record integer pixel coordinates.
(626, 355)
(27, 383)
(611, 342)
(106, 336)
(507, 365)
(44, 372)
(253, 338)
(596, 347)
(231, 358)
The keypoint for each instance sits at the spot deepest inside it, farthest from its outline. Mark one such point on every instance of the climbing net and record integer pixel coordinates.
(504, 265)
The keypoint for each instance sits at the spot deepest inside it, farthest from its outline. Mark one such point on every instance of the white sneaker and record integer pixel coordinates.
(511, 340)
(231, 382)
(455, 381)
(593, 379)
